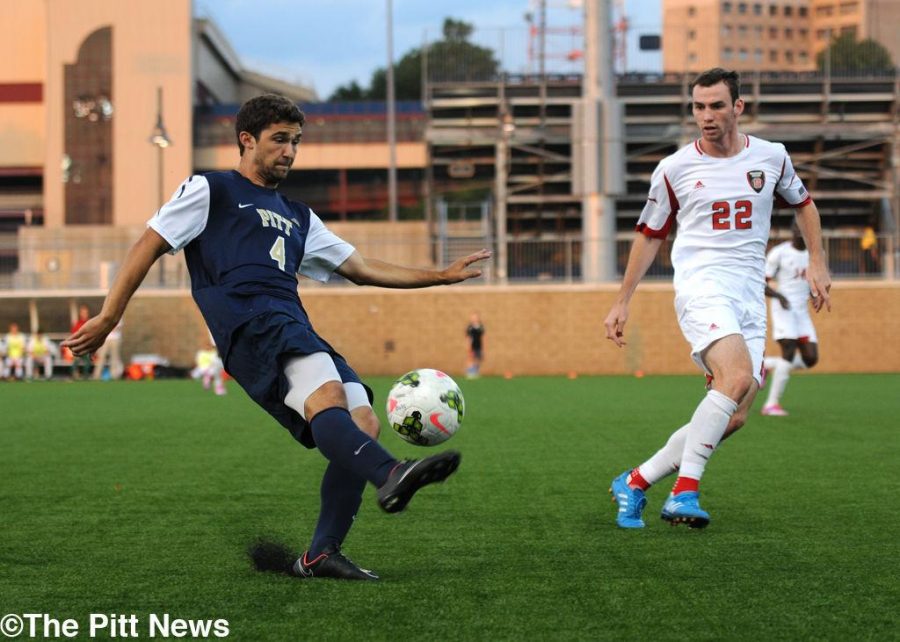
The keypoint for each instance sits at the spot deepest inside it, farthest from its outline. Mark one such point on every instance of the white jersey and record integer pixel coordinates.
(787, 265)
(723, 207)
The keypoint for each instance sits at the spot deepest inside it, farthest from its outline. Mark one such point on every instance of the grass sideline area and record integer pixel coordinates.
(141, 497)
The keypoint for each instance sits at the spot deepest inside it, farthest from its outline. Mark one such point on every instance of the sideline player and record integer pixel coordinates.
(244, 244)
(720, 189)
(15, 352)
(41, 351)
(475, 340)
(792, 327)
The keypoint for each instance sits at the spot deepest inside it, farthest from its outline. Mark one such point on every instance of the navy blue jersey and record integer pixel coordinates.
(244, 245)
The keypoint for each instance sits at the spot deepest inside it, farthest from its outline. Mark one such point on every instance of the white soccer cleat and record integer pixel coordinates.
(774, 410)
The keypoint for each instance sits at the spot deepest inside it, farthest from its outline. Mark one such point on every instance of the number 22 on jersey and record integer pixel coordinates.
(721, 215)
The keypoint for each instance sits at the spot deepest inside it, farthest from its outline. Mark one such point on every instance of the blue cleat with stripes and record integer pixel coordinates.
(684, 508)
(631, 502)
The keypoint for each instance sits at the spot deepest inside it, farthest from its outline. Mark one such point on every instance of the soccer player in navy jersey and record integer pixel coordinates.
(244, 244)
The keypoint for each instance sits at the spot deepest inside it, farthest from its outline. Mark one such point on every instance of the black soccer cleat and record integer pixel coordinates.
(409, 476)
(330, 563)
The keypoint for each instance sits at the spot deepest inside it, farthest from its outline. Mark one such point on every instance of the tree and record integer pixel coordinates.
(451, 58)
(849, 55)
(351, 92)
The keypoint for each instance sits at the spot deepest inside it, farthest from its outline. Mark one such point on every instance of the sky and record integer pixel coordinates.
(328, 43)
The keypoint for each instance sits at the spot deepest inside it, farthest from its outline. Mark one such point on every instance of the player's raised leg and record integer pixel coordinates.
(355, 457)
(728, 359)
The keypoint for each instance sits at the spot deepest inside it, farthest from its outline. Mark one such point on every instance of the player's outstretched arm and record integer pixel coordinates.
(643, 251)
(138, 261)
(817, 273)
(363, 271)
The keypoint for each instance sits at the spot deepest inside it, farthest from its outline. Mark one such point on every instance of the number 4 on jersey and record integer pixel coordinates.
(721, 215)
(277, 252)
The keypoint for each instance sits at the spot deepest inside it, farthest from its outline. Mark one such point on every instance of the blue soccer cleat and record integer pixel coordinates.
(631, 502)
(684, 508)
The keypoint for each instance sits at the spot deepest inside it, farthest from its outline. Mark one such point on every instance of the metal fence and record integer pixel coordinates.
(67, 266)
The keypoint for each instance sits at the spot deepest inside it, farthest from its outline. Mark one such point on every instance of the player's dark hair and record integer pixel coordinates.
(258, 113)
(716, 75)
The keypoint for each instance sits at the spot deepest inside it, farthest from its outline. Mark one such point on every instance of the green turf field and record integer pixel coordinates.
(140, 498)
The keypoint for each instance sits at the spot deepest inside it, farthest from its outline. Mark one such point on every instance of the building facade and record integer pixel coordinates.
(769, 35)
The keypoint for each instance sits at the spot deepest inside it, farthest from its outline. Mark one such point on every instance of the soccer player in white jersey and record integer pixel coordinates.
(792, 327)
(720, 189)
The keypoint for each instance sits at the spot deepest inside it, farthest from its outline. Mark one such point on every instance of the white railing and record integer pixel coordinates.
(92, 266)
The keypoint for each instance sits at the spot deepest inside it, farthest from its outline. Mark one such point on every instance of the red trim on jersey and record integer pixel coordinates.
(697, 147)
(802, 340)
(780, 202)
(662, 232)
(747, 138)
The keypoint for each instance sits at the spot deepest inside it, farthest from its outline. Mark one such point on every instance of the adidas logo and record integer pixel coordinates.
(713, 326)
(699, 184)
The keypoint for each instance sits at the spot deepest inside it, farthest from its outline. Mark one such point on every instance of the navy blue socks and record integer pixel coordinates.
(343, 443)
(341, 495)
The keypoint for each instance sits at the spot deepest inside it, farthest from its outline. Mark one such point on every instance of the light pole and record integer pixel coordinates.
(160, 138)
(391, 118)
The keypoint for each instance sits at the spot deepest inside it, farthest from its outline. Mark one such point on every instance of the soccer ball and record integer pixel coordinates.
(425, 407)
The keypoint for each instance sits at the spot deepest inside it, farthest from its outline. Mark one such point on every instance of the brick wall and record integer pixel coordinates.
(530, 329)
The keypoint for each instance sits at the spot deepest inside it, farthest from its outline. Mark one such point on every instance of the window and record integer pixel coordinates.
(789, 56)
(757, 9)
(825, 10)
(788, 33)
(726, 31)
(758, 55)
(773, 10)
(727, 53)
(758, 31)
(773, 55)
(742, 55)
(803, 33)
(692, 57)
(692, 10)
(804, 57)
(773, 33)
(692, 35)
(742, 31)
(849, 31)
(788, 10)
(849, 7)
(726, 7)
(742, 8)
(802, 12)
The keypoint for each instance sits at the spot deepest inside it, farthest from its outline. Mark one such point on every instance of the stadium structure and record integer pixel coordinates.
(109, 106)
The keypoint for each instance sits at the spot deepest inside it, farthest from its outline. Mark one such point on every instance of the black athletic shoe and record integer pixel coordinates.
(410, 476)
(331, 563)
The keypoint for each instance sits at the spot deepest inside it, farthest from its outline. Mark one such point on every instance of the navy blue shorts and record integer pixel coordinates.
(259, 351)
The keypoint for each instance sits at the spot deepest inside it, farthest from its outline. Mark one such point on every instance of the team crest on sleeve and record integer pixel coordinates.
(757, 179)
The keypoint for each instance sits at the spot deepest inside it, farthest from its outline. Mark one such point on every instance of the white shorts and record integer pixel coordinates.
(309, 372)
(794, 323)
(706, 319)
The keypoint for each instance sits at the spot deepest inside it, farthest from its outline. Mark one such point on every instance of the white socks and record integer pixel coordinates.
(667, 459)
(781, 372)
(705, 432)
